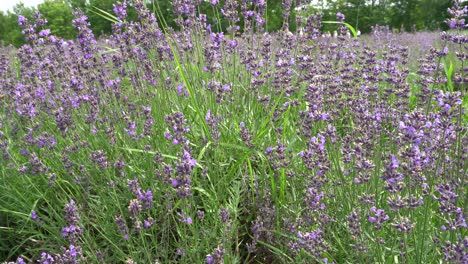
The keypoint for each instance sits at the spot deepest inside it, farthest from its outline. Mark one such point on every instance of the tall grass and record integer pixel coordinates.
(193, 146)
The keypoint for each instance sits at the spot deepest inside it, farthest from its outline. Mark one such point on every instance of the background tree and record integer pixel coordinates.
(10, 32)
(362, 14)
(59, 16)
(99, 24)
(274, 15)
(435, 12)
(77, 4)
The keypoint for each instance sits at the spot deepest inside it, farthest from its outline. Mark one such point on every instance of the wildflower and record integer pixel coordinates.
(22, 21)
(33, 215)
(378, 218)
(224, 215)
(134, 208)
(148, 223)
(71, 213)
(340, 16)
(403, 225)
(46, 258)
(120, 10)
(245, 135)
(216, 257)
(122, 226)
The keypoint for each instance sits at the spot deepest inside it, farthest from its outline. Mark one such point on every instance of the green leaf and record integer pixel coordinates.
(106, 15)
(151, 152)
(351, 28)
(276, 250)
(465, 105)
(448, 75)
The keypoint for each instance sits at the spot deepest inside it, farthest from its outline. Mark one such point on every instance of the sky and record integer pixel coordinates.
(9, 4)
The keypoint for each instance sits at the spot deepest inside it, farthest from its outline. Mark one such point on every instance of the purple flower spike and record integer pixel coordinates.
(174, 183)
(120, 10)
(340, 16)
(378, 218)
(22, 21)
(46, 258)
(33, 215)
(209, 259)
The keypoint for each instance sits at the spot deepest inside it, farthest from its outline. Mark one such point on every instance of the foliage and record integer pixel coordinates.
(157, 145)
(58, 14)
(408, 15)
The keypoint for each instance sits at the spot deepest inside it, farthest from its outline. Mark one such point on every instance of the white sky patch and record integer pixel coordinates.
(9, 4)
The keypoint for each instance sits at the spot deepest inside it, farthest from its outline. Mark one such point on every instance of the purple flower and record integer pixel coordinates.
(340, 16)
(122, 226)
(72, 255)
(134, 186)
(73, 251)
(216, 257)
(134, 208)
(403, 225)
(224, 215)
(148, 223)
(233, 43)
(178, 124)
(22, 21)
(71, 232)
(46, 258)
(33, 215)
(146, 198)
(71, 213)
(185, 219)
(312, 242)
(174, 183)
(378, 218)
(24, 153)
(245, 135)
(44, 33)
(191, 162)
(131, 129)
(452, 23)
(99, 157)
(208, 116)
(200, 214)
(120, 10)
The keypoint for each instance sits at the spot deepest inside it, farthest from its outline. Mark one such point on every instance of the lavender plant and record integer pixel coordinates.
(195, 146)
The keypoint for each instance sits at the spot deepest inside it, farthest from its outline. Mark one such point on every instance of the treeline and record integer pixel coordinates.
(407, 15)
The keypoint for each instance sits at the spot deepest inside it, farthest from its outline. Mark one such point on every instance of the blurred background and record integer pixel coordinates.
(399, 15)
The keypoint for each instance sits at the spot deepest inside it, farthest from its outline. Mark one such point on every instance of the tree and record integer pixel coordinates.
(10, 32)
(405, 14)
(75, 4)
(99, 24)
(435, 13)
(59, 16)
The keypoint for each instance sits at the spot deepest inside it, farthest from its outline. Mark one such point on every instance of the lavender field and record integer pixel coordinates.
(157, 145)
